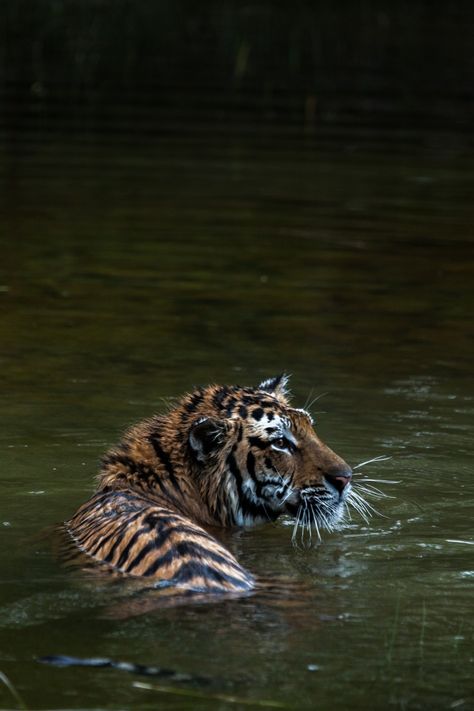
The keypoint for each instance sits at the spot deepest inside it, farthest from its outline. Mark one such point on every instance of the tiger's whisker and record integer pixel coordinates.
(295, 527)
(308, 399)
(380, 458)
(303, 524)
(356, 505)
(380, 481)
(315, 399)
(316, 524)
(326, 509)
(348, 510)
(310, 527)
(367, 506)
(373, 491)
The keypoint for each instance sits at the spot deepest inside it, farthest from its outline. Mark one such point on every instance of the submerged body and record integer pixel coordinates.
(223, 457)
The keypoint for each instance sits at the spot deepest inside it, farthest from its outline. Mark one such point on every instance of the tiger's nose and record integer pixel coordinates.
(339, 478)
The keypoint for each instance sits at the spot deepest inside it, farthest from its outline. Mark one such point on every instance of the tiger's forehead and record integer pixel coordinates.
(257, 408)
(270, 415)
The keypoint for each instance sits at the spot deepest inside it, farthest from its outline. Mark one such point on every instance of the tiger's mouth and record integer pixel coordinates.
(315, 499)
(312, 513)
(293, 503)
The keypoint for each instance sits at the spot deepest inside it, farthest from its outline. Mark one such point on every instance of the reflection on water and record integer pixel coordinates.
(132, 270)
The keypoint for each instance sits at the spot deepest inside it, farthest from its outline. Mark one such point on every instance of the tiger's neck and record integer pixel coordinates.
(154, 463)
(150, 462)
(231, 496)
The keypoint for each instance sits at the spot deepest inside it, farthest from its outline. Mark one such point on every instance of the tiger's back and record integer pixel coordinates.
(128, 534)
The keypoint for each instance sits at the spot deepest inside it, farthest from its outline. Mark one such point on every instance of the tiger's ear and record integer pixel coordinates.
(276, 386)
(205, 437)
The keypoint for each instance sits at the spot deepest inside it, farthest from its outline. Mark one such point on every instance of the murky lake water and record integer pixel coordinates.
(136, 265)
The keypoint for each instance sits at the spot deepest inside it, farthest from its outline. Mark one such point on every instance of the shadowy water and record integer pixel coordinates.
(138, 263)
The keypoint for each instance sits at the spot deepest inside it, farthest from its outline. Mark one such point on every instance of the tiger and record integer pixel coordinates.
(222, 457)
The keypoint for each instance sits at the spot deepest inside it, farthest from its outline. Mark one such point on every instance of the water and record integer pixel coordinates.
(138, 263)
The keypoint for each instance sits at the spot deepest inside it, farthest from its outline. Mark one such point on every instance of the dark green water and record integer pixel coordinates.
(136, 264)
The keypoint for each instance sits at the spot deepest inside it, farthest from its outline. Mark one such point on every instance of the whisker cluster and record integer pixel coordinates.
(317, 512)
(361, 505)
(313, 514)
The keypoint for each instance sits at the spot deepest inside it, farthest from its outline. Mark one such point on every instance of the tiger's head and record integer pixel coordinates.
(256, 458)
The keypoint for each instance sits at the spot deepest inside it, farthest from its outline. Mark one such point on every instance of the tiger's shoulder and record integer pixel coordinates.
(131, 535)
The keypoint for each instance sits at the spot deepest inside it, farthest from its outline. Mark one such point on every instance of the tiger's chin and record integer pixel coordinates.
(313, 514)
(291, 507)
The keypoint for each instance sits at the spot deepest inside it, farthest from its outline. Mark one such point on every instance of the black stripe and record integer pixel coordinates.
(217, 509)
(257, 442)
(163, 560)
(133, 467)
(89, 526)
(247, 505)
(160, 538)
(267, 403)
(158, 541)
(161, 517)
(102, 542)
(164, 490)
(165, 460)
(235, 471)
(152, 519)
(251, 465)
(268, 464)
(124, 447)
(142, 553)
(258, 413)
(97, 537)
(190, 405)
(191, 570)
(195, 550)
(111, 553)
(249, 400)
(144, 530)
(229, 405)
(194, 401)
(219, 397)
(252, 474)
(229, 518)
(243, 412)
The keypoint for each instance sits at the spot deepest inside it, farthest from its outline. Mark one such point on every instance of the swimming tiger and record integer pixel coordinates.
(224, 456)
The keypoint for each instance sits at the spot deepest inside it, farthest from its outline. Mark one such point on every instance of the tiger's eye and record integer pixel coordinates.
(280, 442)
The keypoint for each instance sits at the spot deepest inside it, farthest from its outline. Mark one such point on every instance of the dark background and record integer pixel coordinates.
(406, 62)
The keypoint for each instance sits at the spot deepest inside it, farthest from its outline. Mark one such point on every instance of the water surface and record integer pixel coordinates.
(139, 263)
